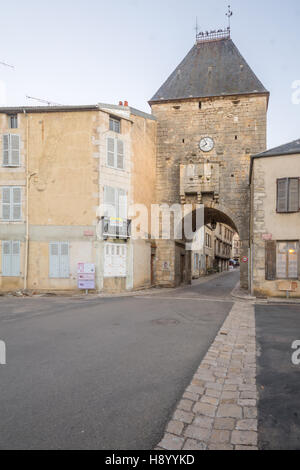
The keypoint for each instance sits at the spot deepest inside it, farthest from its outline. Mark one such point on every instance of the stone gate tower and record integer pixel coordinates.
(211, 115)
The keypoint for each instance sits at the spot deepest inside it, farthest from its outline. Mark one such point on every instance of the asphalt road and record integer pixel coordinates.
(278, 381)
(102, 373)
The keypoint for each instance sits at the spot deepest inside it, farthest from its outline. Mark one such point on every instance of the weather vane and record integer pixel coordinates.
(197, 28)
(229, 15)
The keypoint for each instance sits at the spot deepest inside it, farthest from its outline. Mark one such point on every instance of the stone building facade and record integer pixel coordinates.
(58, 166)
(211, 115)
(275, 222)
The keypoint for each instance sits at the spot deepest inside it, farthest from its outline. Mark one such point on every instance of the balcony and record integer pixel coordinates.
(113, 227)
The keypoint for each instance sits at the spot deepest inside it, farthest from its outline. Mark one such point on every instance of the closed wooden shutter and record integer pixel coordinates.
(122, 204)
(15, 258)
(15, 150)
(120, 155)
(5, 149)
(64, 260)
(282, 195)
(6, 203)
(293, 194)
(111, 152)
(54, 260)
(6, 258)
(110, 201)
(16, 203)
(270, 260)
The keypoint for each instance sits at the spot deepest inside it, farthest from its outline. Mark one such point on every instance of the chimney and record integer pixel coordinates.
(120, 103)
(126, 103)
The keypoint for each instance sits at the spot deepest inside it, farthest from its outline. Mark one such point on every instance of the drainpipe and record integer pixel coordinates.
(28, 176)
(27, 198)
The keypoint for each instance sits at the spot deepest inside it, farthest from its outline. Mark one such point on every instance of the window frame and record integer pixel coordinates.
(11, 254)
(116, 153)
(119, 208)
(112, 124)
(11, 204)
(114, 250)
(287, 180)
(10, 163)
(59, 255)
(10, 117)
(287, 261)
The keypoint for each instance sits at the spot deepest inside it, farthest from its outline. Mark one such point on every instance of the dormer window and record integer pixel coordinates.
(115, 125)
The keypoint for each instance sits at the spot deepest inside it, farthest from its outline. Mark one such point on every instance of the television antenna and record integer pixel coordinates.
(7, 65)
(49, 103)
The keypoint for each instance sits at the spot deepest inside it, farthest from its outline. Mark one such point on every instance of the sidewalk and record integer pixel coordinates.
(218, 411)
(241, 294)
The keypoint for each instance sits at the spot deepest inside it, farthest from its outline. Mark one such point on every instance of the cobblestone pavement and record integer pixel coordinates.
(218, 410)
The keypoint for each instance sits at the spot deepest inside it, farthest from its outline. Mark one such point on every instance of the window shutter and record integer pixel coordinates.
(64, 260)
(5, 147)
(270, 260)
(6, 200)
(282, 195)
(15, 149)
(54, 260)
(293, 194)
(122, 205)
(15, 259)
(110, 152)
(16, 198)
(6, 258)
(120, 155)
(110, 201)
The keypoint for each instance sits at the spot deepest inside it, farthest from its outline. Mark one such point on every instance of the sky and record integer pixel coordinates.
(89, 51)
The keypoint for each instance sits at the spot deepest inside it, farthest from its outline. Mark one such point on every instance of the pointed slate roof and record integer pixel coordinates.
(211, 68)
(291, 148)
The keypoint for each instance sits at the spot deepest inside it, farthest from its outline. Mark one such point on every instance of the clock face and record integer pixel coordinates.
(206, 144)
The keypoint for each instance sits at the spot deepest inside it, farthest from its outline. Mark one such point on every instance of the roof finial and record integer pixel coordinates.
(229, 15)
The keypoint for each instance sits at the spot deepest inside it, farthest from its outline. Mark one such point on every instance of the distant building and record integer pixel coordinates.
(235, 252)
(58, 166)
(222, 247)
(275, 222)
(215, 252)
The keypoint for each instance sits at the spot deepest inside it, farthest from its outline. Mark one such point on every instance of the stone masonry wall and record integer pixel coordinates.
(238, 127)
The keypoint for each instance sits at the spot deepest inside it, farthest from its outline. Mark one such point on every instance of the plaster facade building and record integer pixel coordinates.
(211, 116)
(59, 165)
(215, 252)
(275, 222)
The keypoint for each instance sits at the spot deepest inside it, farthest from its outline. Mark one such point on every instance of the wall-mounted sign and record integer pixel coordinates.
(267, 236)
(166, 266)
(86, 276)
(245, 259)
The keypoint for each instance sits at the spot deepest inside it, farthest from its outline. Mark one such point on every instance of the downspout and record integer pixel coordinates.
(28, 176)
(27, 199)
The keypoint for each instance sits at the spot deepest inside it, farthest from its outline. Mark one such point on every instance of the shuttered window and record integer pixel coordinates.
(288, 195)
(115, 257)
(115, 153)
(10, 258)
(115, 201)
(59, 264)
(11, 150)
(11, 203)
